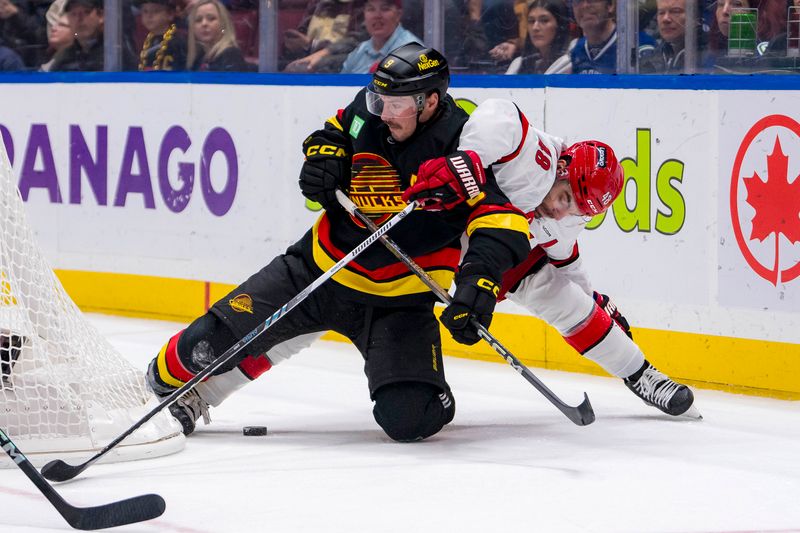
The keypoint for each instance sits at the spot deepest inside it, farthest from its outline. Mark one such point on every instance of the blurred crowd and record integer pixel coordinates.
(349, 36)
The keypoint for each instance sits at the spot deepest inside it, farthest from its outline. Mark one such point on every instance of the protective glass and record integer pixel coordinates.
(392, 106)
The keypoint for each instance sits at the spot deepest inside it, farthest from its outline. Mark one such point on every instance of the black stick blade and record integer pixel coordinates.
(58, 470)
(582, 415)
(119, 513)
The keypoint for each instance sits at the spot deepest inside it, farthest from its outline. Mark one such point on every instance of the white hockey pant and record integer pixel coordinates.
(553, 297)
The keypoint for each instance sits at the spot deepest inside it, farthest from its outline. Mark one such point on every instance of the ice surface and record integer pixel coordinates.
(509, 461)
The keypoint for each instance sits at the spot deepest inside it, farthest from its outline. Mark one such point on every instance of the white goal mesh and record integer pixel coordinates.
(64, 390)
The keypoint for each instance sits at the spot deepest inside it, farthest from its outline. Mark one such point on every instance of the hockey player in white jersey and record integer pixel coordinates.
(559, 188)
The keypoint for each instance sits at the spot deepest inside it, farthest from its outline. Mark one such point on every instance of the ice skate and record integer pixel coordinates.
(188, 409)
(659, 391)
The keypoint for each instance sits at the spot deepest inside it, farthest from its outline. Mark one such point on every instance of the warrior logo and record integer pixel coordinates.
(241, 303)
(467, 179)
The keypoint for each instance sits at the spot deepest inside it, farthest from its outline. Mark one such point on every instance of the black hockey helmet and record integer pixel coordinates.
(411, 69)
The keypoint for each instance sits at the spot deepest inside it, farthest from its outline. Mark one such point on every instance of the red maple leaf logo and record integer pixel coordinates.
(776, 202)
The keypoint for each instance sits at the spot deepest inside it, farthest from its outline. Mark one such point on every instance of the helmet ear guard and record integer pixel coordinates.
(594, 174)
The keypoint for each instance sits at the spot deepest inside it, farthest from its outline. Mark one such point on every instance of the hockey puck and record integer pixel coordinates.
(254, 431)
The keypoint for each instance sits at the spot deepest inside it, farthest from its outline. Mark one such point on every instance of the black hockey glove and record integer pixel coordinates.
(476, 296)
(326, 168)
(608, 306)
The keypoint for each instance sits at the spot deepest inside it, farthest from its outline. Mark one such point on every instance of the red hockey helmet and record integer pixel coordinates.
(594, 174)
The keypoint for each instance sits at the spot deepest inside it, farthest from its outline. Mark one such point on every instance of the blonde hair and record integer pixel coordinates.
(227, 40)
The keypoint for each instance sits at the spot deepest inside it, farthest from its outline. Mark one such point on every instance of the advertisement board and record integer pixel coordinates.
(199, 182)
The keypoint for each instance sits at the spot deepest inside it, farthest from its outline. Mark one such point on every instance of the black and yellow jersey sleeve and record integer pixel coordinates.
(498, 238)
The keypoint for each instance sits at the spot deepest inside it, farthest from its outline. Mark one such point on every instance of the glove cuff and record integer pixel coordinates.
(467, 270)
(480, 277)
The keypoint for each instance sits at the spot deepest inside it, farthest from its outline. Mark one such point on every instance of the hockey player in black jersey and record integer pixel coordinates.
(371, 150)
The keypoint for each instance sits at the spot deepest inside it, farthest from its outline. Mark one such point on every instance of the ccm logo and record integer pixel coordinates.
(488, 285)
(326, 149)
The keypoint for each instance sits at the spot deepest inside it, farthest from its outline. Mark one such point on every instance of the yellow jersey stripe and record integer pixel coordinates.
(334, 121)
(509, 221)
(163, 372)
(404, 286)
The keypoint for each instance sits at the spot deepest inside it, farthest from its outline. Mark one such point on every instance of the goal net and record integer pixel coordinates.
(65, 392)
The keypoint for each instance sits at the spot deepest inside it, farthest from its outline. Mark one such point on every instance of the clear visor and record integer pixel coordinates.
(388, 107)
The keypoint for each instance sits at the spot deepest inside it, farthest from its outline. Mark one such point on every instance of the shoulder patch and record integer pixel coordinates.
(355, 127)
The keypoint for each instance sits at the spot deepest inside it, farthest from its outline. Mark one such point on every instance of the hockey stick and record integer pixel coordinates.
(582, 415)
(114, 514)
(58, 470)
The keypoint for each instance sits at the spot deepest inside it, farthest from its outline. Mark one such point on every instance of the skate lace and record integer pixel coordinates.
(194, 403)
(656, 387)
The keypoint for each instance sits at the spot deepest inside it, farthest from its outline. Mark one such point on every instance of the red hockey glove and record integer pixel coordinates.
(608, 306)
(446, 182)
(326, 168)
(476, 296)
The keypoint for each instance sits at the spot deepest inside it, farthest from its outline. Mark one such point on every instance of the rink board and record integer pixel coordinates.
(159, 208)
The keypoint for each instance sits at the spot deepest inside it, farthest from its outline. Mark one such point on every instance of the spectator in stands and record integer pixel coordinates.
(332, 26)
(212, 39)
(382, 20)
(165, 46)
(59, 37)
(596, 51)
(22, 31)
(464, 35)
(668, 56)
(771, 19)
(54, 12)
(244, 16)
(778, 44)
(505, 24)
(548, 37)
(771, 22)
(465, 39)
(86, 53)
(10, 60)
(647, 17)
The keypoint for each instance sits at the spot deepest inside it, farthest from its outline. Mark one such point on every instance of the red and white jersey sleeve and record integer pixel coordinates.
(522, 158)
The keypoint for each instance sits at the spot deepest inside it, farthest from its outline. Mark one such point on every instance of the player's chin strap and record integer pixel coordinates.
(582, 415)
(58, 470)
